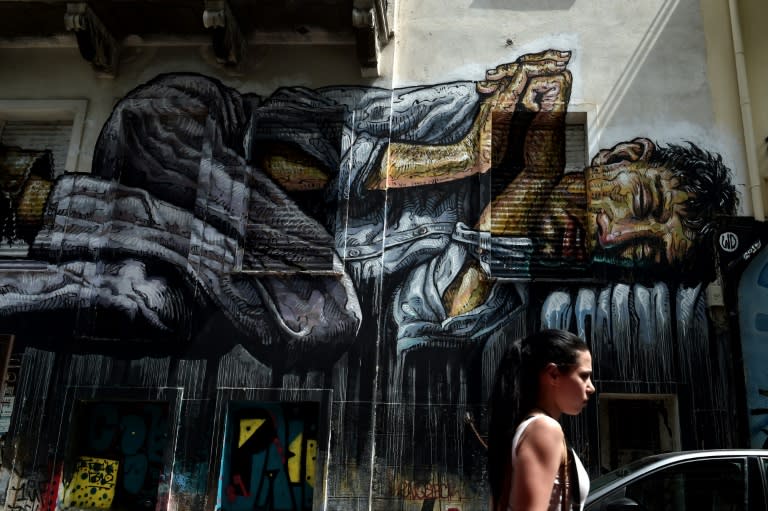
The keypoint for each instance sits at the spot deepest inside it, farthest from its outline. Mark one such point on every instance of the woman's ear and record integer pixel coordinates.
(552, 372)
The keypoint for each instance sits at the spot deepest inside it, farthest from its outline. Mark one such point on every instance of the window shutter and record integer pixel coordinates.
(575, 148)
(37, 135)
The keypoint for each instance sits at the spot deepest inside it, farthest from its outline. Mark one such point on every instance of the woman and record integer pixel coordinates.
(530, 468)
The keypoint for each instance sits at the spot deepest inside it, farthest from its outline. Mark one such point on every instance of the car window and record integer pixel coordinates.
(758, 483)
(623, 471)
(701, 485)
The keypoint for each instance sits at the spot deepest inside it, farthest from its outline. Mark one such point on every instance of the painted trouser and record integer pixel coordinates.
(171, 189)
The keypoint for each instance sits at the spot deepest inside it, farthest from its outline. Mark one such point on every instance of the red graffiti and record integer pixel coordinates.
(50, 491)
(421, 491)
(34, 492)
(239, 482)
(232, 494)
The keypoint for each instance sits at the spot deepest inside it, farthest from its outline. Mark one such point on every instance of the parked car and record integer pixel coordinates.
(705, 480)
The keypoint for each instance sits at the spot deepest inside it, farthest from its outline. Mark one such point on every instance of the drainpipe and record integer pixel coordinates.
(746, 113)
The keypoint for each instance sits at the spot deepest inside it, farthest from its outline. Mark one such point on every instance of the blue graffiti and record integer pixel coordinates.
(753, 324)
(135, 434)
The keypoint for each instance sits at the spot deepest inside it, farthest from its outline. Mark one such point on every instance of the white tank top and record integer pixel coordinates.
(555, 503)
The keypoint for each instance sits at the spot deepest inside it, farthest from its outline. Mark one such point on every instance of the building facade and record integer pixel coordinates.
(269, 257)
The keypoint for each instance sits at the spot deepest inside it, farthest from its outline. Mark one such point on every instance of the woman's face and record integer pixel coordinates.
(575, 385)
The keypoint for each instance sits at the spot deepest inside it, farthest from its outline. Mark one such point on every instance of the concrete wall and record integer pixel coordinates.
(753, 20)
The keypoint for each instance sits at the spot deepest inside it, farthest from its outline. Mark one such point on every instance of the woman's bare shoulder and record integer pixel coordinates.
(544, 430)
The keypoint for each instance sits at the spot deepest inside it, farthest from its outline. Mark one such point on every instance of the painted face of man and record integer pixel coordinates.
(635, 213)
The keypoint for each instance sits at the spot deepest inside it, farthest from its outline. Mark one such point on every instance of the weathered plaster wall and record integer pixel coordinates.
(754, 19)
(656, 67)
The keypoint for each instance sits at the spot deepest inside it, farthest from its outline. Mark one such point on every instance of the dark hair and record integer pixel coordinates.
(706, 178)
(516, 390)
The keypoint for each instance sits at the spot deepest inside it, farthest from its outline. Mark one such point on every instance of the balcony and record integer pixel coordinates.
(100, 28)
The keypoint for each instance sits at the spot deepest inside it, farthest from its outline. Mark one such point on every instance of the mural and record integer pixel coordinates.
(385, 243)
(115, 456)
(270, 456)
(744, 268)
(754, 328)
(25, 179)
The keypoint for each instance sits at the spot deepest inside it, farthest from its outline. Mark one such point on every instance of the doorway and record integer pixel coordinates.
(636, 425)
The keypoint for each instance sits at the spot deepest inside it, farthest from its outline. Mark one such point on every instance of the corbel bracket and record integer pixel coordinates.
(96, 43)
(371, 24)
(228, 40)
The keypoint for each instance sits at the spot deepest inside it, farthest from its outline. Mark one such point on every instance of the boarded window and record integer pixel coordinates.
(32, 153)
(269, 456)
(10, 371)
(535, 198)
(636, 425)
(39, 135)
(575, 148)
(116, 454)
(290, 229)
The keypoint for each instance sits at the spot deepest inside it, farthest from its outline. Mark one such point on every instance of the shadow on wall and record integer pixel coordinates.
(524, 5)
(669, 42)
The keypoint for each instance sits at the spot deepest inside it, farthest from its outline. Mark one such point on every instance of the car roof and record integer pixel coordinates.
(708, 453)
(608, 482)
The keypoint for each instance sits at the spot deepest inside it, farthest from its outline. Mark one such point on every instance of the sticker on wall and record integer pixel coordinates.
(93, 484)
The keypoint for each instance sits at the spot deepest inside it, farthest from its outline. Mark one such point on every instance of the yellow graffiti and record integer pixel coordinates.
(311, 461)
(294, 462)
(247, 428)
(92, 485)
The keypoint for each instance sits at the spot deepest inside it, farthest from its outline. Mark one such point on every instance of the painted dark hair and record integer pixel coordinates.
(516, 390)
(706, 178)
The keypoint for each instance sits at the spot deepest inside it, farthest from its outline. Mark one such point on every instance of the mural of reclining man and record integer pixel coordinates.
(193, 181)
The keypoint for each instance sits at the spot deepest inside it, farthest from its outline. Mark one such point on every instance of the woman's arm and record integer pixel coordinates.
(539, 454)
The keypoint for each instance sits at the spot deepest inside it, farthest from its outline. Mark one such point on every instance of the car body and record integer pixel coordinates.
(704, 480)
